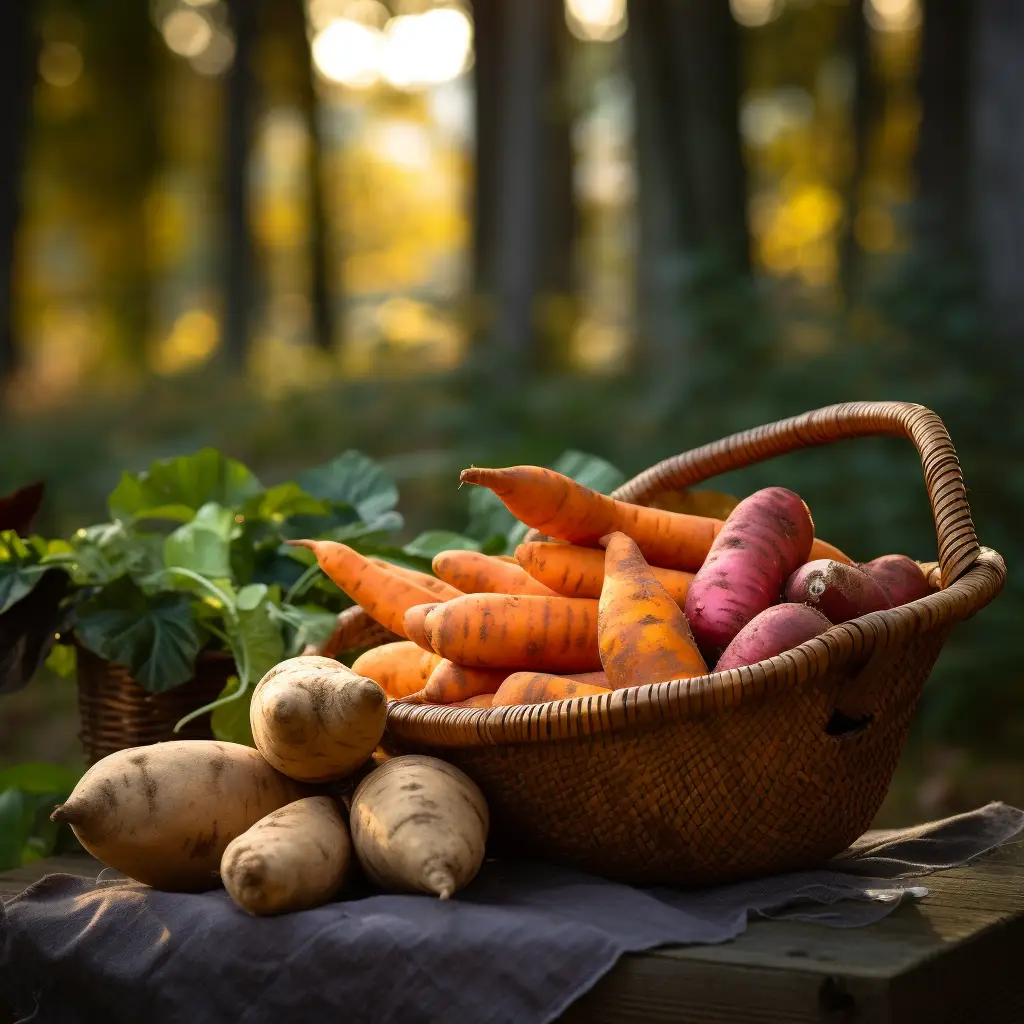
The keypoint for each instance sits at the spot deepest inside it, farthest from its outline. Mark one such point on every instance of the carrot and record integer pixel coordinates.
(384, 595)
(445, 591)
(576, 571)
(398, 668)
(505, 558)
(519, 631)
(474, 573)
(559, 507)
(541, 687)
(450, 683)
(481, 700)
(822, 549)
(765, 539)
(642, 633)
(412, 620)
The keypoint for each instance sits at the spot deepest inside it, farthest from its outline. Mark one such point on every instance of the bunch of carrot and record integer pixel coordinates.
(621, 595)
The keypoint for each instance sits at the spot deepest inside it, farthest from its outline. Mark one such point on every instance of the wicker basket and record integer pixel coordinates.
(116, 713)
(773, 767)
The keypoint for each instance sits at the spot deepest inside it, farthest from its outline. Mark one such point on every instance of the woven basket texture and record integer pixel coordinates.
(772, 767)
(115, 712)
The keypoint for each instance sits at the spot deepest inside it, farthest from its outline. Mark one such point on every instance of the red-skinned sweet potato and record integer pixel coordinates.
(840, 592)
(766, 537)
(899, 576)
(778, 628)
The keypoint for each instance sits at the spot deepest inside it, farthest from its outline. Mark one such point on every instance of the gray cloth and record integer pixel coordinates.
(516, 947)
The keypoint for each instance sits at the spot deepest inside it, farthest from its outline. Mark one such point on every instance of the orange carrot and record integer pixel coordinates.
(505, 558)
(445, 591)
(579, 572)
(521, 631)
(450, 683)
(822, 549)
(399, 668)
(384, 595)
(559, 507)
(541, 687)
(481, 700)
(474, 573)
(642, 633)
(412, 620)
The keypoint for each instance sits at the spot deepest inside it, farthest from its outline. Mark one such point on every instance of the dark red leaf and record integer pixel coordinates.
(27, 630)
(18, 509)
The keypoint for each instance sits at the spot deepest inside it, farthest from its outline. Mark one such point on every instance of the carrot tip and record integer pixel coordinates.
(311, 544)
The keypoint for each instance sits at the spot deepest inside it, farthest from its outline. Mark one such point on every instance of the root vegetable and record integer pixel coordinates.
(163, 814)
(541, 687)
(575, 571)
(766, 537)
(383, 594)
(294, 858)
(443, 591)
(552, 634)
(642, 633)
(450, 683)
(419, 825)
(481, 700)
(399, 668)
(840, 592)
(315, 720)
(899, 576)
(412, 621)
(778, 628)
(474, 573)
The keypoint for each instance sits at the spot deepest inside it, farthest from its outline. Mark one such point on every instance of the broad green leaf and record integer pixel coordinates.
(154, 636)
(101, 553)
(39, 777)
(177, 488)
(13, 831)
(488, 517)
(282, 502)
(204, 544)
(431, 542)
(353, 479)
(305, 624)
(20, 568)
(230, 720)
(256, 636)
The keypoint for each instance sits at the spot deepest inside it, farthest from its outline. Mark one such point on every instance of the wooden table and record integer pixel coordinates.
(957, 957)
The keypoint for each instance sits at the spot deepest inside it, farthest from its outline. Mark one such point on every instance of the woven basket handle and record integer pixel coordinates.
(957, 541)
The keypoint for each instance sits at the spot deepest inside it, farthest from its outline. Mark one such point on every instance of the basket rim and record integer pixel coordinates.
(679, 700)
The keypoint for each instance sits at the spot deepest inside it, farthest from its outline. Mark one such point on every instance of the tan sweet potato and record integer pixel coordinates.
(315, 720)
(296, 857)
(163, 814)
(419, 824)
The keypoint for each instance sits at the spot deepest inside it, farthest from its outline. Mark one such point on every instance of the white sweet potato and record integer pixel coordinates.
(419, 824)
(163, 814)
(296, 857)
(315, 720)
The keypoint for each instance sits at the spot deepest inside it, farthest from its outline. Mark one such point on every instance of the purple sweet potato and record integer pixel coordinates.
(765, 538)
(779, 628)
(841, 592)
(899, 576)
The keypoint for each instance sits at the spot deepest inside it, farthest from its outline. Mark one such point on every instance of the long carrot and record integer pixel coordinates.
(545, 634)
(445, 591)
(481, 700)
(474, 573)
(412, 620)
(450, 683)
(642, 633)
(559, 507)
(541, 687)
(399, 668)
(576, 571)
(384, 595)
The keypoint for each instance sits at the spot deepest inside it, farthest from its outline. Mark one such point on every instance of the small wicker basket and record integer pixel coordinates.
(116, 713)
(772, 767)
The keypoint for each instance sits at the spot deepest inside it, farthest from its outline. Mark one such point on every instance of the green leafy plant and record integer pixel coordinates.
(28, 793)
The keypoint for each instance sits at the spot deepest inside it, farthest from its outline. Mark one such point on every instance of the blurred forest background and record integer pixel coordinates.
(447, 233)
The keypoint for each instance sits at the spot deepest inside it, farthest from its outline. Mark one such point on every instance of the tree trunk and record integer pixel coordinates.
(944, 144)
(17, 75)
(998, 119)
(238, 236)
